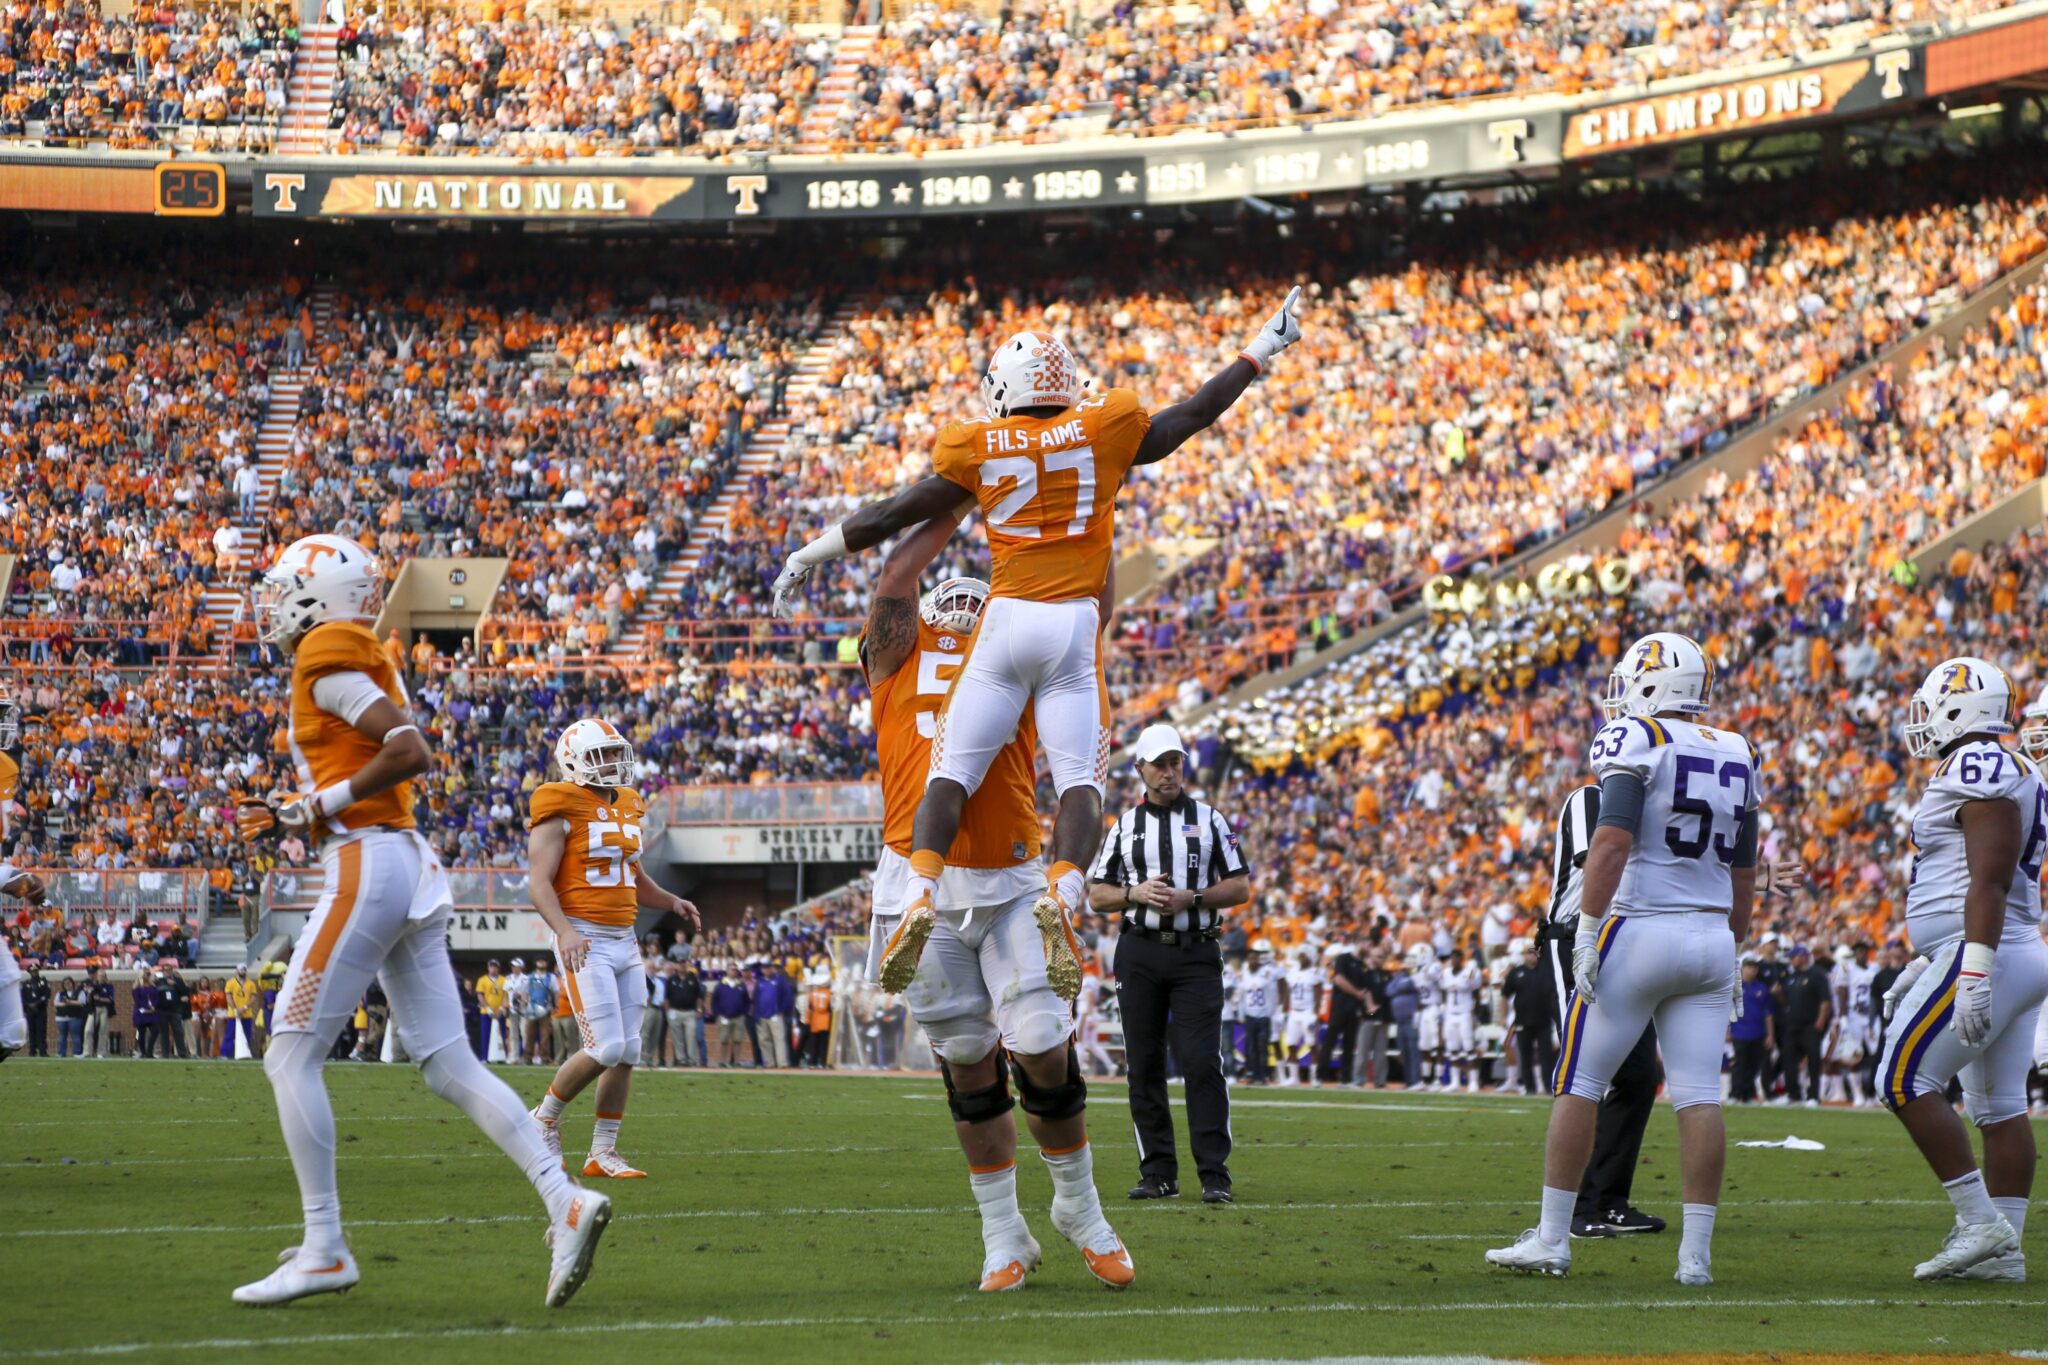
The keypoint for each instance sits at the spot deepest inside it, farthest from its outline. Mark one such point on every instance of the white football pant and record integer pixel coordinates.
(1678, 969)
(1043, 654)
(1923, 1053)
(609, 995)
(982, 981)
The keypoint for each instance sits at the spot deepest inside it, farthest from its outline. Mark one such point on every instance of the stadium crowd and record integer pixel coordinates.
(506, 82)
(205, 75)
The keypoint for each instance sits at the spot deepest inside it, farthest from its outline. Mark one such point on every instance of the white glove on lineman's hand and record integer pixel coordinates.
(1281, 331)
(786, 583)
(1585, 961)
(1735, 996)
(1972, 1019)
(1901, 987)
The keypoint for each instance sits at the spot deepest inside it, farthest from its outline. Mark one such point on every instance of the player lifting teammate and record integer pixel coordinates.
(1670, 880)
(583, 860)
(1973, 908)
(979, 989)
(1045, 468)
(25, 886)
(383, 916)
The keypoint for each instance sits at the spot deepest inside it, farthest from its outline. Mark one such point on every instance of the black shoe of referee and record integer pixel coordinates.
(1626, 1220)
(1151, 1187)
(1217, 1194)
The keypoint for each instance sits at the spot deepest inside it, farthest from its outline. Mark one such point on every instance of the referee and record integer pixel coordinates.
(1603, 1209)
(1171, 865)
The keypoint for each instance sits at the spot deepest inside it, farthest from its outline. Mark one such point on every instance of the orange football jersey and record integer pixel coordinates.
(1047, 488)
(601, 861)
(326, 748)
(10, 783)
(999, 828)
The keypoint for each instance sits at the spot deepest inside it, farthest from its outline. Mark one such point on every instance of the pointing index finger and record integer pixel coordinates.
(1293, 297)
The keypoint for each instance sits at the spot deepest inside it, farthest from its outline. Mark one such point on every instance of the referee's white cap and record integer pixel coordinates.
(1156, 741)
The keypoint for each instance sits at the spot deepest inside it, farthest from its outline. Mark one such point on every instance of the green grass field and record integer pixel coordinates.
(797, 1217)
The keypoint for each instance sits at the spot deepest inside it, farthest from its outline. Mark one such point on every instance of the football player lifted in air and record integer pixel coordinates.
(979, 988)
(583, 863)
(1969, 1004)
(25, 886)
(1670, 881)
(383, 915)
(1045, 467)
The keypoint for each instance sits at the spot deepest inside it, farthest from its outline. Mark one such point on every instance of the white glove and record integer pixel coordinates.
(1972, 1018)
(786, 583)
(1585, 961)
(1735, 996)
(1281, 331)
(1901, 987)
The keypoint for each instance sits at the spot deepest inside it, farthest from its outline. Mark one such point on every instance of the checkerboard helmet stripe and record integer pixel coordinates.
(1030, 370)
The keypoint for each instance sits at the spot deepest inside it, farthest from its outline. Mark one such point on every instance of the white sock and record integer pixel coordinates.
(1073, 1178)
(551, 1106)
(1855, 1084)
(2013, 1208)
(1071, 888)
(1966, 1192)
(922, 886)
(457, 1076)
(303, 1112)
(1697, 1236)
(1556, 1226)
(604, 1134)
(996, 1192)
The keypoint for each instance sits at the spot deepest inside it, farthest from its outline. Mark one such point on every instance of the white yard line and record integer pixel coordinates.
(980, 1321)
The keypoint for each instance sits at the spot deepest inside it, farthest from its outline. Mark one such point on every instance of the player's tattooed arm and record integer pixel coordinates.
(891, 632)
(890, 636)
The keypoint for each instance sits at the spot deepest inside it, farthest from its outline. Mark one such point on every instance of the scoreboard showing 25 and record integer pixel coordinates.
(191, 189)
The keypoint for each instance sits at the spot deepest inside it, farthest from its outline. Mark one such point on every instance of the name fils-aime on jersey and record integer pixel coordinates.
(1699, 785)
(999, 827)
(1047, 489)
(597, 878)
(1979, 771)
(326, 748)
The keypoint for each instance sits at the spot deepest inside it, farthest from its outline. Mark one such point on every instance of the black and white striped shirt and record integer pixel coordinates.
(1567, 869)
(1187, 843)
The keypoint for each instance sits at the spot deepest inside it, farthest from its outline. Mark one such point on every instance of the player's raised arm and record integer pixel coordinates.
(891, 632)
(1172, 426)
(929, 497)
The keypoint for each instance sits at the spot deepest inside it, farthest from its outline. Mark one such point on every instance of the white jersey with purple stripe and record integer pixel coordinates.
(1699, 785)
(1982, 770)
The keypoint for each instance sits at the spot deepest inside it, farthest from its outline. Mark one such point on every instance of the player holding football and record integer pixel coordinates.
(979, 988)
(25, 886)
(583, 863)
(383, 916)
(1045, 468)
(1670, 880)
(1973, 909)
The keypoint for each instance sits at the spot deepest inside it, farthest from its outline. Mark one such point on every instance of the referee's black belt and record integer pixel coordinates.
(1172, 935)
(1561, 933)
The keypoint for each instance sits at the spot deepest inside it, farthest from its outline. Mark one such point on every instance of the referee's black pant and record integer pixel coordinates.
(1174, 992)
(1624, 1114)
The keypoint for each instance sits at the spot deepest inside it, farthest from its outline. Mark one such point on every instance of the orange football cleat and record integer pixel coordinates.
(609, 1165)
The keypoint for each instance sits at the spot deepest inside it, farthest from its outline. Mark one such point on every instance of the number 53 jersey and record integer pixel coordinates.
(601, 861)
(1978, 771)
(1699, 787)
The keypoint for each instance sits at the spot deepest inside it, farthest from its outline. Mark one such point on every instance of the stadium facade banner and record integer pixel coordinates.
(1832, 89)
(754, 844)
(1989, 56)
(1123, 173)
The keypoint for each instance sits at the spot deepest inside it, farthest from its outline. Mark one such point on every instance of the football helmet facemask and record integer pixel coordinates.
(317, 579)
(1962, 696)
(593, 753)
(2033, 734)
(954, 605)
(1661, 672)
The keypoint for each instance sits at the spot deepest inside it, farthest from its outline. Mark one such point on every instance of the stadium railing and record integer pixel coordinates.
(796, 803)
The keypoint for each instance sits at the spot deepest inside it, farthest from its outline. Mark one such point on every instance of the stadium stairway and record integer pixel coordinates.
(273, 450)
(820, 120)
(762, 452)
(309, 99)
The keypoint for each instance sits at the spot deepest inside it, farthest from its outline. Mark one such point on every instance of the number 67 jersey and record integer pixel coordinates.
(1699, 786)
(1978, 771)
(596, 880)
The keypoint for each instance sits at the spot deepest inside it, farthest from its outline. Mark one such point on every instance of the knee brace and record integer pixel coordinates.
(977, 1106)
(1061, 1101)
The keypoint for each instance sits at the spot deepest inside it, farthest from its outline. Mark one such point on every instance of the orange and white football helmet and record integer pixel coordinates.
(594, 753)
(1030, 370)
(317, 579)
(954, 605)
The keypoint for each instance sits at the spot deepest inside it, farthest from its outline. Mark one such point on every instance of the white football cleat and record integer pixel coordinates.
(1694, 1270)
(1533, 1256)
(573, 1241)
(1099, 1246)
(296, 1280)
(1003, 1269)
(609, 1165)
(1966, 1245)
(550, 1136)
(2011, 1268)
